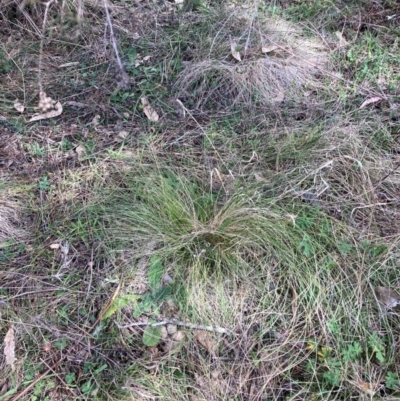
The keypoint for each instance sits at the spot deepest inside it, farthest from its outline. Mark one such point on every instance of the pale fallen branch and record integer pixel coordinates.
(71, 64)
(220, 330)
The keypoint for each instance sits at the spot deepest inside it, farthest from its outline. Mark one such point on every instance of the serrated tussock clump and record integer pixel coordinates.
(248, 61)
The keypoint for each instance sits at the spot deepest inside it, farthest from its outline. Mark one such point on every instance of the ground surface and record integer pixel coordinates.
(213, 218)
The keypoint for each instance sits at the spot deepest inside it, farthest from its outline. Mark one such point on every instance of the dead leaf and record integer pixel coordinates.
(164, 333)
(81, 151)
(96, 121)
(387, 297)
(55, 246)
(234, 51)
(370, 101)
(368, 388)
(19, 107)
(51, 114)
(342, 40)
(151, 114)
(269, 49)
(206, 340)
(178, 336)
(123, 135)
(146, 58)
(9, 347)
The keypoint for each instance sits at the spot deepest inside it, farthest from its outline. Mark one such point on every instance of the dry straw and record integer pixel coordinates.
(10, 222)
(278, 61)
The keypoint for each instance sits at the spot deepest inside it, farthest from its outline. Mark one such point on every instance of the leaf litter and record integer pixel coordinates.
(9, 348)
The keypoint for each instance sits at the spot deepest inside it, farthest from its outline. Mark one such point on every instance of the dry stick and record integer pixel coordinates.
(28, 293)
(23, 392)
(124, 77)
(220, 330)
(46, 13)
(366, 206)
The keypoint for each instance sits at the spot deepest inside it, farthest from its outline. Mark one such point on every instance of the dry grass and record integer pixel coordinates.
(72, 50)
(282, 255)
(11, 221)
(279, 62)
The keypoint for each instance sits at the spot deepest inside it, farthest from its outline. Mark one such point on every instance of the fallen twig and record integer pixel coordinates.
(220, 330)
(26, 389)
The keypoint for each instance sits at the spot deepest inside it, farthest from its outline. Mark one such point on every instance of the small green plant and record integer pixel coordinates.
(300, 10)
(324, 362)
(373, 250)
(93, 369)
(9, 250)
(371, 60)
(66, 145)
(332, 377)
(5, 63)
(131, 55)
(153, 300)
(90, 148)
(149, 302)
(88, 387)
(306, 246)
(392, 381)
(157, 294)
(330, 366)
(70, 379)
(146, 302)
(40, 388)
(352, 352)
(61, 344)
(151, 335)
(377, 347)
(344, 247)
(35, 149)
(44, 184)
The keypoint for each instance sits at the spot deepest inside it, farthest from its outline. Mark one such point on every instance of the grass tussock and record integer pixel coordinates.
(261, 272)
(277, 62)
